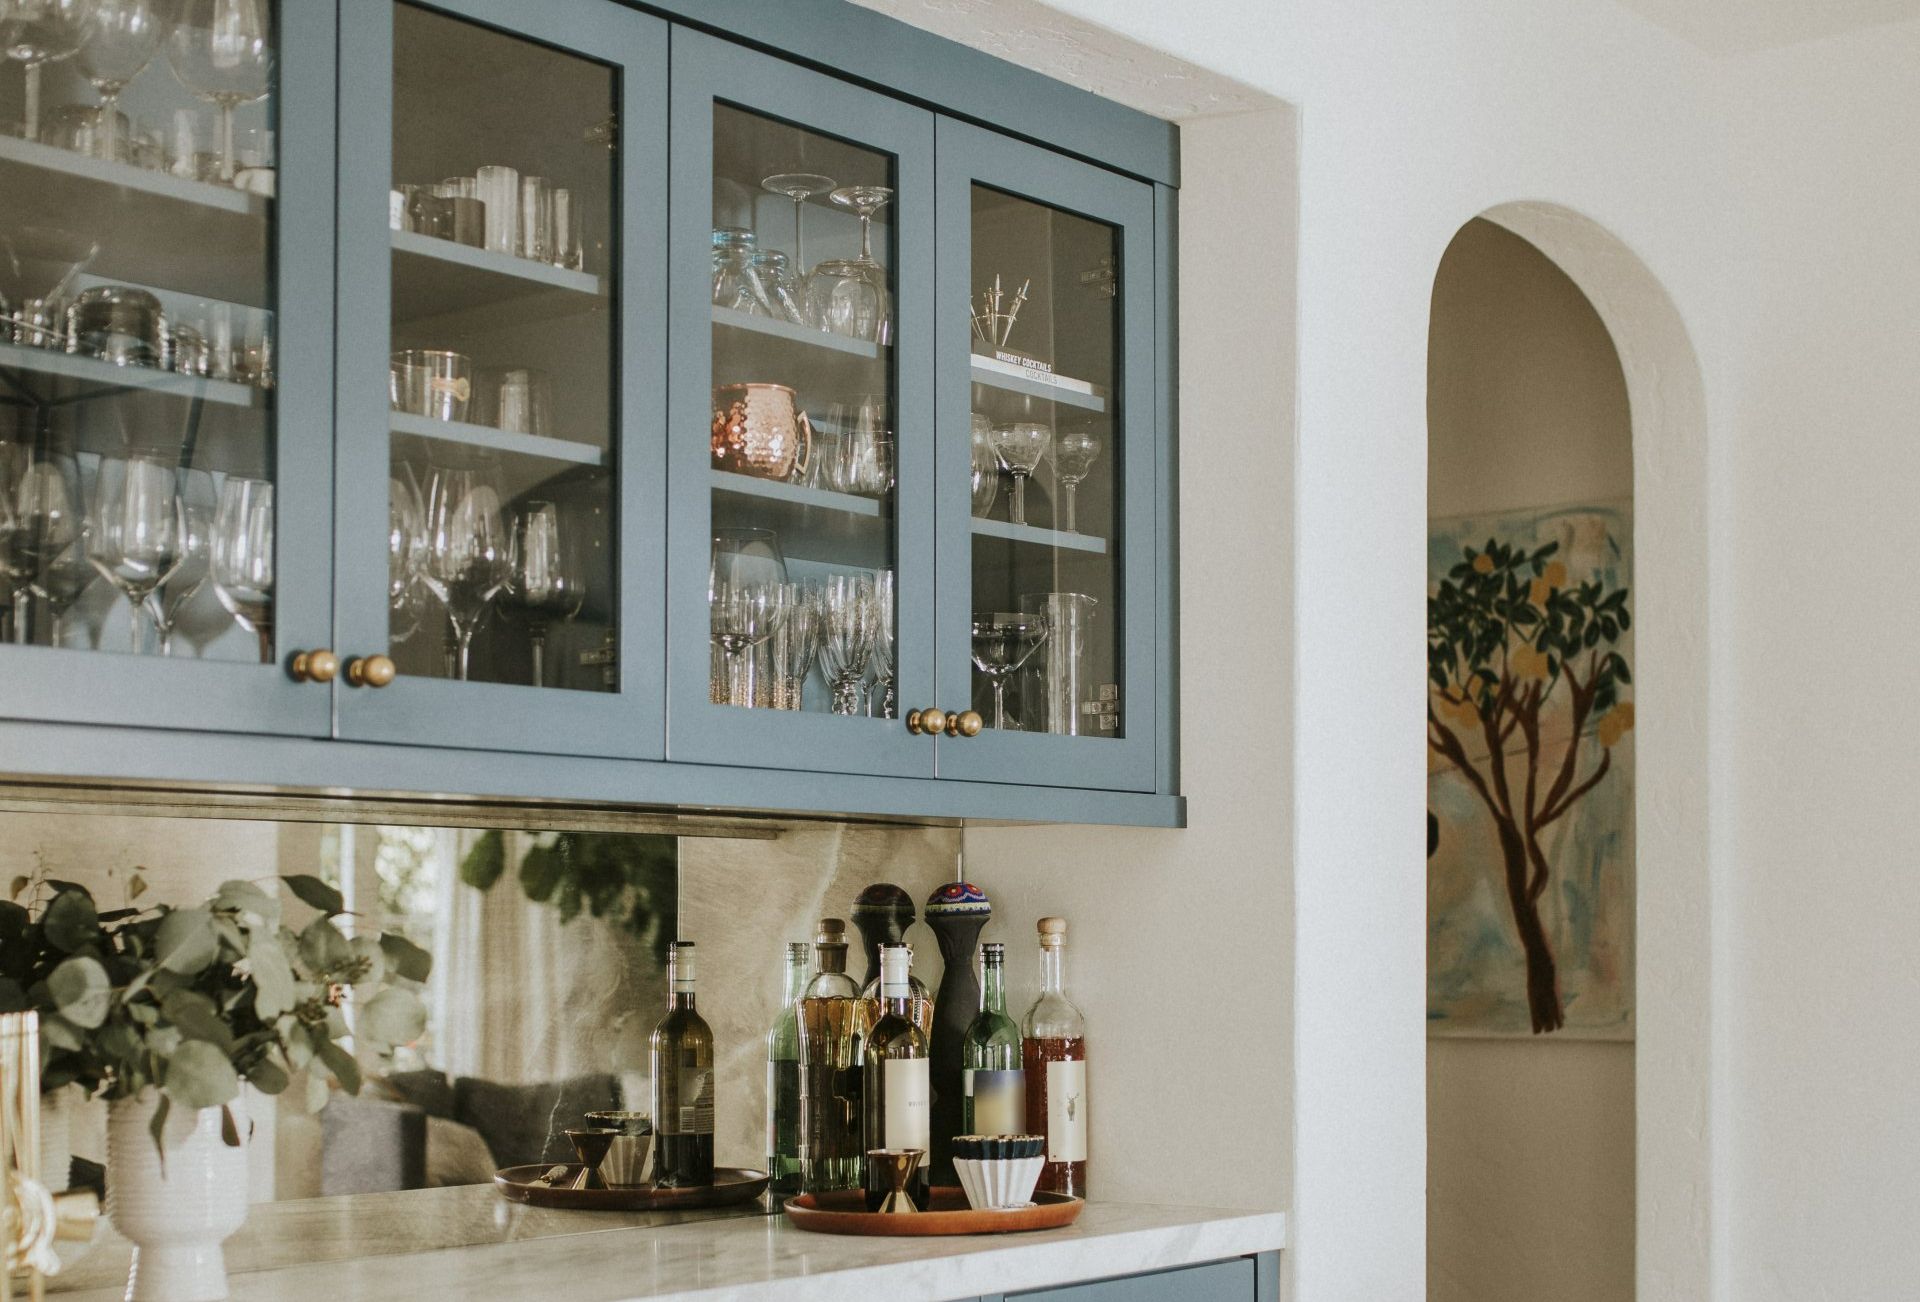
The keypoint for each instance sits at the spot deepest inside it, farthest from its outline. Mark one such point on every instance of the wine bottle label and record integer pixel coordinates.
(1066, 1112)
(999, 1100)
(696, 1102)
(908, 1111)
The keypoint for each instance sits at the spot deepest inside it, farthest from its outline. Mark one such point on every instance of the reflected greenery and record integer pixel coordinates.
(631, 881)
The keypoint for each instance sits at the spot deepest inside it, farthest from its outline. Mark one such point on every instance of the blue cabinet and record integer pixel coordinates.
(1242, 1279)
(603, 402)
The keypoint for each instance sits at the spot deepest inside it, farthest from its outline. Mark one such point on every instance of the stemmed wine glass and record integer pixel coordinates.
(1020, 445)
(849, 619)
(63, 581)
(883, 663)
(1074, 451)
(1002, 645)
(222, 51)
(796, 638)
(406, 556)
(467, 551)
(126, 35)
(39, 32)
(135, 537)
(797, 186)
(849, 296)
(544, 586)
(744, 579)
(43, 518)
(199, 505)
(240, 562)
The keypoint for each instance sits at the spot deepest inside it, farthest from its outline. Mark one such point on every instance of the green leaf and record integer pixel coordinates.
(157, 1127)
(323, 949)
(199, 1076)
(268, 1076)
(13, 996)
(369, 962)
(19, 884)
(314, 892)
(60, 1033)
(485, 861)
(198, 1018)
(186, 942)
(273, 984)
(229, 1130)
(394, 1016)
(71, 922)
(408, 960)
(81, 991)
(245, 897)
(341, 1064)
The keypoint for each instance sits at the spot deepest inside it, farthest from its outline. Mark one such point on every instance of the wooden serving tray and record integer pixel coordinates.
(948, 1212)
(526, 1184)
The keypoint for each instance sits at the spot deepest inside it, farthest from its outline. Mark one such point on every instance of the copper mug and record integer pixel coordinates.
(759, 430)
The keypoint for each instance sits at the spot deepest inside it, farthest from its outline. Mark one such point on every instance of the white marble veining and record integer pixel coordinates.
(754, 1258)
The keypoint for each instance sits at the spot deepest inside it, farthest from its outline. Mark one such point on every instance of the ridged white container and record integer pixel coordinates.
(998, 1184)
(56, 1137)
(176, 1217)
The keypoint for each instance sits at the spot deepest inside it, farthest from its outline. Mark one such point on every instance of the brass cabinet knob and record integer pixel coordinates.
(321, 666)
(928, 721)
(967, 723)
(371, 671)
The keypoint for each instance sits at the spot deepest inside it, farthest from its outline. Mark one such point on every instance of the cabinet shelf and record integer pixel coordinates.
(1057, 539)
(805, 336)
(433, 277)
(1021, 387)
(814, 524)
(73, 379)
(817, 365)
(499, 440)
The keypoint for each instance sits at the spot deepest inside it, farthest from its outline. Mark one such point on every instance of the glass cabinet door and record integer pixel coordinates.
(165, 187)
(1047, 467)
(801, 435)
(501, 366)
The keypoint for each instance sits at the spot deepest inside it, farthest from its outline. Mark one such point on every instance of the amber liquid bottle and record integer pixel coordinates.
(1056, 1066)
(681, 1053)
(830, 1068)
(896, 1097)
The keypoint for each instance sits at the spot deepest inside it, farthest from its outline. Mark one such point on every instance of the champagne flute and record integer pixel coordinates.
(467, 552)
(848, 626)
(883, 657)
(39, 32)
(1074, 451)
(543, 585)
(134, 540)
(126, 35)
(222, 51)
(1020, 445)
(795, 641)
(241, 557)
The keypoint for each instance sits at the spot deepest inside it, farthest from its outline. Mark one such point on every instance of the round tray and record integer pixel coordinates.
(845, 1212)
(526, 1184)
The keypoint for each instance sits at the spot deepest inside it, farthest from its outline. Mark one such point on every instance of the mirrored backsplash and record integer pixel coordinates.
(548, 975)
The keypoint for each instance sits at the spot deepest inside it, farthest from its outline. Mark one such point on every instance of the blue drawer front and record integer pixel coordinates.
(1223, 1281)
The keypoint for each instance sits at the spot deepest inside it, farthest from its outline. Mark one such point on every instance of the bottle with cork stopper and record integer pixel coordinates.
(1054, 1032)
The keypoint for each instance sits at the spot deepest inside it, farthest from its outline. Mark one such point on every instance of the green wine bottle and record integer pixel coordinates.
(681, 1053)
(993, 1082)
(783, 1078)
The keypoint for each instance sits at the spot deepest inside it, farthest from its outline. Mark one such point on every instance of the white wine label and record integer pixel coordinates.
(907, 1103)
(999, 1101)
(1066, 1112)
(696, 1102)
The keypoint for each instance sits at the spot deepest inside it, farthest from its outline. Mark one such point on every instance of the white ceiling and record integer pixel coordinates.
(1735, 26)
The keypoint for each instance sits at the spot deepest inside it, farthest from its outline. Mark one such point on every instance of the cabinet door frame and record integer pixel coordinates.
(59, 685)
(628, 722)
(967, 155)
(706, 71)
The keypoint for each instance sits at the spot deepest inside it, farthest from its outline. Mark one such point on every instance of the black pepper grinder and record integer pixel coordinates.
(956, 912)
(883, 912)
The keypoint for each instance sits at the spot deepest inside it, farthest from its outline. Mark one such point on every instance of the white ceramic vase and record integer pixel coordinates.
(56, 1136)
(178, 1214)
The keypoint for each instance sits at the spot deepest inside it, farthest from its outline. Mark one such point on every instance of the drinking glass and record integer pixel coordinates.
(797, 186)
(536, 236)
(796, 639)
(43, 518)
(733, 283)
(883, 661)
(406, 554)
(849, 625)
(467, 551)
(499, 188)
(39, 32)
(241, 561)
(1074, 451)
(986, 466)
(1020, 445)
(126, 35)
(849, 296)
(222, 51)
(134, 538)
(776, 289)
(744, 578)
(544, 586)
(199, 505)
(1002, 644)
(863, 460)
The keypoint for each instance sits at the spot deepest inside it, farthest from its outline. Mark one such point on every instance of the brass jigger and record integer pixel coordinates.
(897, 1165)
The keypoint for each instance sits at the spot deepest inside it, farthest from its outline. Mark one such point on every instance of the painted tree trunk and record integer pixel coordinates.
(1543, 982)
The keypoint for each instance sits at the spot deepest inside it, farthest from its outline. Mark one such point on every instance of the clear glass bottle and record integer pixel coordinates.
(897, 1095)
(830, 1068)
(1056, 1064)
(992, 1071)
(920, 999)
(783, 1076)
(681, 1059)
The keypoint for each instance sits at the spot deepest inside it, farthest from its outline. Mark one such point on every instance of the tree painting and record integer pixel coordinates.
(1525, 672)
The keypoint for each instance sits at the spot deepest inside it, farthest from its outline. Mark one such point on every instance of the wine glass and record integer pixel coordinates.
(796, 639)
(849, 616)
(406, 554)
(126, 35)
(744, 578)
(883, 662)
(986, 465)
(63, 581)
(1020, 445)
(39, 32)
(797, 186)
(199, 504)
(544, 586)
(849, 296)
(467, 551)
(1002, 645)
(43, 519)
(240, 562)
(1074, 451)
(135, 536)
(222, 51)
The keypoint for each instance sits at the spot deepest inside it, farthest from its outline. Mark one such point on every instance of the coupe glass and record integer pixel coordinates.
(1002, 645)
(199, 505)
(222, 51)
(134, 537)
(241, 560)
(883, 659)
(544, 586)
(796, 640)
(744, 578)
(797, 186)
(126, 36)
(39, 32)
(849, 625)
(468, 552)
(406, 555)
(1074, 451)
(986, 466)
(849, 296)
(41, 520)
(1020, 446)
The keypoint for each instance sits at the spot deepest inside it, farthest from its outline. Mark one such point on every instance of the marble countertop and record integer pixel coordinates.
(763, 1257)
